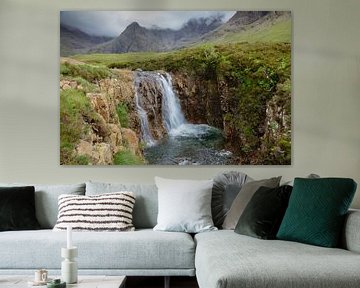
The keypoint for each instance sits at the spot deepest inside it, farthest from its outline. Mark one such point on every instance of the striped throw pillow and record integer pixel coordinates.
(105, 212)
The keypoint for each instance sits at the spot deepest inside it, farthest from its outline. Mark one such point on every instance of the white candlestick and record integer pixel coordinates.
(69, 239)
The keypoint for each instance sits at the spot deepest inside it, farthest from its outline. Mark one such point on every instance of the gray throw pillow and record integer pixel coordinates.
(242, 199)
(184, 205)
(146, 204)
(226, 187)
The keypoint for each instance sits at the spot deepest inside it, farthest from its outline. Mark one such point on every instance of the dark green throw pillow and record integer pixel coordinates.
(17, 208)
(263, 214)
(316, 211)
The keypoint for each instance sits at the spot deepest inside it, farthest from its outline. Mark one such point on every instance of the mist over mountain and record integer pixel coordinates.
(74, 41)
(242, 26)
(136, 38)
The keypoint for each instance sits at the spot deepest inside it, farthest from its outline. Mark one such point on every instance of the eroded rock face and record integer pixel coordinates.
(104, 136)
(200, 100)
(99, 154)
(100, 104)
(150, 94)
(131, 140)
(116, 139)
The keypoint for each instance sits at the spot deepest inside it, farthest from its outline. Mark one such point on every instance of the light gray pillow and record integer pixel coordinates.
(146, 204)
(184, 205)
(243, 198)
(46, 200)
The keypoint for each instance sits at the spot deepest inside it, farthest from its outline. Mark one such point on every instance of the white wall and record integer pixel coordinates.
(326, 91)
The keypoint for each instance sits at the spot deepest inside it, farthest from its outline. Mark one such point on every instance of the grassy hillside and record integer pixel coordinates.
(279, 32)
(107, 59)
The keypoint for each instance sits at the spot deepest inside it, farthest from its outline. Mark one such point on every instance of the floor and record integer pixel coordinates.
(158, 282)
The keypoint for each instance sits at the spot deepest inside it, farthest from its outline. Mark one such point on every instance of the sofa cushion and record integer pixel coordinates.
(184, 205)
(263, 215)
(226, 187)
(105, 212)
(143, 249)
(17, 208)
(243, 198)
(225, 259)
(146, 205)
(46, 200)
(317, 209)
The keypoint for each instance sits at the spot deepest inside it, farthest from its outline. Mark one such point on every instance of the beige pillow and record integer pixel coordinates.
(243, 198)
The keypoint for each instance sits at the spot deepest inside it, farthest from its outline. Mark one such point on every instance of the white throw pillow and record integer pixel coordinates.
(105, 212)
(184, 205)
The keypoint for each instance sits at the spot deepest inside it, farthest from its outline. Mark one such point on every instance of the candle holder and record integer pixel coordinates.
(69, 271)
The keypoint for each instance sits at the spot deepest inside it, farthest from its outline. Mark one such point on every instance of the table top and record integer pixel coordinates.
(84, 281)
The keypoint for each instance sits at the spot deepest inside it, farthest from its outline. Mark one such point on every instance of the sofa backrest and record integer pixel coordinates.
(146, 203)
(46, 200)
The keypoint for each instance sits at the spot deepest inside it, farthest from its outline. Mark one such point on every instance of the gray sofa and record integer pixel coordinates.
(218, 259)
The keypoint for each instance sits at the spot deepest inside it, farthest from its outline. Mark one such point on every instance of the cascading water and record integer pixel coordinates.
(185, 143)
(172, 114)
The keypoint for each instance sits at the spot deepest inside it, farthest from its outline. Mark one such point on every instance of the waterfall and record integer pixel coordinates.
(144, 122)
(172, 114)
(169, 138)
(156, 84)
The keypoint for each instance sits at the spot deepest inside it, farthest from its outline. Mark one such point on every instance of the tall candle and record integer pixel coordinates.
(69, 237)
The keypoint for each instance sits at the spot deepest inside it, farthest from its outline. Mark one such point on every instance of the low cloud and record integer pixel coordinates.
(112, 23)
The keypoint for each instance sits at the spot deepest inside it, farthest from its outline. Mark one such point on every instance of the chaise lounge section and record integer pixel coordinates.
(225, 259)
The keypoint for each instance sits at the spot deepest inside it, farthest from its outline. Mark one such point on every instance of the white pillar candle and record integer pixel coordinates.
(69, 237)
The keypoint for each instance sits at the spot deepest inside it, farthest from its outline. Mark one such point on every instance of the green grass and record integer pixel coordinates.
(88, 87)
(133, 57)
(123, 114)
(279, 32)
(74, 105)
(126, 157)
(88, 72)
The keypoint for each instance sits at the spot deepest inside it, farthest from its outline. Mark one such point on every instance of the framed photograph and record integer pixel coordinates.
(175, 87)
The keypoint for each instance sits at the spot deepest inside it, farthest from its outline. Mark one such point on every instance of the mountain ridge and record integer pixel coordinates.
(243, 26)
(136, 38)
(75, 41)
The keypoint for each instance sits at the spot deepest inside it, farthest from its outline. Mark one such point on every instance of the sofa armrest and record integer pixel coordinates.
(351, 234)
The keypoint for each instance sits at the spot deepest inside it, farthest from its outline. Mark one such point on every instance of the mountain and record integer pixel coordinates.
(243, 26)
(74, 41)
(253, 26)
(136, 38)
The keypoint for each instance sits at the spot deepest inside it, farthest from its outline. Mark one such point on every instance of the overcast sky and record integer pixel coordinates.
(112, 23)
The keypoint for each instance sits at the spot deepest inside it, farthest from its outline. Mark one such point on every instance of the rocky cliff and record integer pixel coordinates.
(93, 118)
(216, 104)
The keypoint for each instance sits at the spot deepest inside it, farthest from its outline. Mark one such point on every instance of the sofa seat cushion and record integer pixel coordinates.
(142, 249)
(226, 259)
